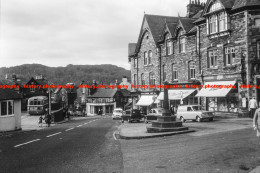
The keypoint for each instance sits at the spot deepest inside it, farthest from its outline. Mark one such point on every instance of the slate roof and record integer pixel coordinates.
(104, 93)
(187, 23)
(156, 24)
(8, 94)
(171, 27)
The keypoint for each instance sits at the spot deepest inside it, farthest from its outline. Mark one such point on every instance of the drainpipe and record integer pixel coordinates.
(160, 65)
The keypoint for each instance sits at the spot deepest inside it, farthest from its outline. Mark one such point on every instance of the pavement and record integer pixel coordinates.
(219, 125)
(30, 123)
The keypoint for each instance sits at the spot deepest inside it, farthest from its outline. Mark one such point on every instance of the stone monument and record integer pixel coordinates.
(167, 122)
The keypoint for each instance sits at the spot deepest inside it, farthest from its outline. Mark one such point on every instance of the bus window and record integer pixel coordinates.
(31, 102)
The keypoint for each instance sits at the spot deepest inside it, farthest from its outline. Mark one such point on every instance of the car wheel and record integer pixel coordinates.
(182, 119)
(198, 119)
(211, 119)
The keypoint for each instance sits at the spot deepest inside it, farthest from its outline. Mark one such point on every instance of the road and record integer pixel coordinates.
(228, 152)
(77, 146)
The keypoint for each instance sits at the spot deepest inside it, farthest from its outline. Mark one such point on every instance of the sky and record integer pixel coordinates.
(81, 32)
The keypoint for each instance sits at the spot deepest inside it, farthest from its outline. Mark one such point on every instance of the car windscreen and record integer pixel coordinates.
(118, 111)
(196, 108)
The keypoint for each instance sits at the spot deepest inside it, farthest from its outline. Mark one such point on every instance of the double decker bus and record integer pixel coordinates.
(37, 105)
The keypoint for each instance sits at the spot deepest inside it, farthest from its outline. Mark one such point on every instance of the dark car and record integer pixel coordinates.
(153, 114)
(132, 115)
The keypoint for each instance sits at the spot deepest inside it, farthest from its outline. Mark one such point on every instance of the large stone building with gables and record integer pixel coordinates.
(216, 43)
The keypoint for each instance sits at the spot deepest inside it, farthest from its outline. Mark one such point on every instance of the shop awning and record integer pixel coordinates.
(214, 89)
(146, 100)
(177, 94)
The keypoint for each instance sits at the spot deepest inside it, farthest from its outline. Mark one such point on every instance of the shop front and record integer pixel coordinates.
(100, 108)
(146, 102)
(220, 96)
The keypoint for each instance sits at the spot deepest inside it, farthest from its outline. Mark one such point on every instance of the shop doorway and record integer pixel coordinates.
(98, 110)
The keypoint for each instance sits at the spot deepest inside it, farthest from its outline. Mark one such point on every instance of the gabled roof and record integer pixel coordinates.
(187, 23)
(104, 93)
(198, 15)
(171, 27)
(8, 94)
(156, 25)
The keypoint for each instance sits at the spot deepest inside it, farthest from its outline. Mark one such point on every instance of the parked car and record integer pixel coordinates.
(117, 113)
(132, 115)
(153, 114)
(193, 112)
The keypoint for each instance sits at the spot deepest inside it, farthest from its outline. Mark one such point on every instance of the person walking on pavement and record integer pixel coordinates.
(49, 120)
(40, 121)
(256, 119)
(252, 107)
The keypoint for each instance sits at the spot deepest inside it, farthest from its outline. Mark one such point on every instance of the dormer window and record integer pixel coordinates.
(169, 47)
(217, 21)
(182, 45)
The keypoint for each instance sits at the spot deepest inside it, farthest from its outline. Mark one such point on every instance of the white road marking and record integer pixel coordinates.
(26, 143)
(79, 125)
(53, 134)
(85, 123)
(69, 129)
(114, 135)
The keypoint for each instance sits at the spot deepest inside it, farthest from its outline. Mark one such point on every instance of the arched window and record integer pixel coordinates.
(164, 72)
(145, 58)
(192, 70)
(151, 79)
(142, 79)
(150, 55)
(174, 73)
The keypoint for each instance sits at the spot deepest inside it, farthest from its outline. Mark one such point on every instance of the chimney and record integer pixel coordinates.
(124, 80)
(193, 8)
(13, 77)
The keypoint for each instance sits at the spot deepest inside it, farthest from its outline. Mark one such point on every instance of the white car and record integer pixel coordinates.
(193, 112)
(117, 113)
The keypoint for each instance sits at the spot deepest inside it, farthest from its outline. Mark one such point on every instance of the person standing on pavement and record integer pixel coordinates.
(255, 122)
(49, 120)
(252, 107)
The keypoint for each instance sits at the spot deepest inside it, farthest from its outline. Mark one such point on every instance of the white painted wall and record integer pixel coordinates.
(12, 122)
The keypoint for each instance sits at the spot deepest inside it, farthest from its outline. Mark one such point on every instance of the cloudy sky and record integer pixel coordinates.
(62, 32)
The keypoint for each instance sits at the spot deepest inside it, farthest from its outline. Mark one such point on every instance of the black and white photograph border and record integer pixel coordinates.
(130, 86)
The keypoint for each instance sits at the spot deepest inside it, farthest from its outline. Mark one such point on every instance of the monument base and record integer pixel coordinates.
(166, 124)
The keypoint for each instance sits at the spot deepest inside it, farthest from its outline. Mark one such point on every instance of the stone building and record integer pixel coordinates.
(216, 43)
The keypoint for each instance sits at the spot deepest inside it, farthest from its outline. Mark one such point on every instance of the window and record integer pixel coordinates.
(174, 73)
(212, 58)
(169, 47)
(257, 22)
(135, 62)
(222, 21)
(215, 6)
(212, 24)
(164, 72)
(258, 50)
(135, 79)
(142, 79)
(192, 70)
(230, 53)
(150, 55)
(182, 45)
(7, 108)
(151, 79)
(145, 58)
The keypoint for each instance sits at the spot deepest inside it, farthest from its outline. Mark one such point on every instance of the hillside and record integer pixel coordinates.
(70, 74)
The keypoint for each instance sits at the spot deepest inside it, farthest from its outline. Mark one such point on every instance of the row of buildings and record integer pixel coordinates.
(217, 43)
(90, 101)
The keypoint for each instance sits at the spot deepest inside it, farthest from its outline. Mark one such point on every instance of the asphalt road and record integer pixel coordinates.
(228, 152)
(77, 146)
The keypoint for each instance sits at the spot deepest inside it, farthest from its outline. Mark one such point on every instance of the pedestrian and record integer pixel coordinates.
(48, 120)
(252, 107)
(172, 110)
(40, 121)
(256, 119)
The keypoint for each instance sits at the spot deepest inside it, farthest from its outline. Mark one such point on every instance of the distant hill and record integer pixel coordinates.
(70, 74)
